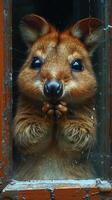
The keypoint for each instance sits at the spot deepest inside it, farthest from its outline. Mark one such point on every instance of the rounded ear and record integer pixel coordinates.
(31, 27)
(89, 31)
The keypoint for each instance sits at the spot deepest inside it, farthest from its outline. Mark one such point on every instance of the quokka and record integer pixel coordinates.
(55, 122)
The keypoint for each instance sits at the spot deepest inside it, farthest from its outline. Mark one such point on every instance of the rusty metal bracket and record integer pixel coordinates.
(52, 194)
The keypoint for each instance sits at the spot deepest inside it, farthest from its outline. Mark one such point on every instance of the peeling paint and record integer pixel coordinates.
(53, 184)
(108, 27)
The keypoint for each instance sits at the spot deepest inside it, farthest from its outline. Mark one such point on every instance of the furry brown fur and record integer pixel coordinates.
(56, 149)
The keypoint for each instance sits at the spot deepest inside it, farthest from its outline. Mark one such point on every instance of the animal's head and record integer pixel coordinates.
(59, 64)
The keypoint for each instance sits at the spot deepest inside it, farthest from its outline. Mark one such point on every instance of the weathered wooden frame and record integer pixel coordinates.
(33, 190)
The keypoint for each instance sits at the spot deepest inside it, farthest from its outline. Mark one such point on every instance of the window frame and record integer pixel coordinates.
(78, 189)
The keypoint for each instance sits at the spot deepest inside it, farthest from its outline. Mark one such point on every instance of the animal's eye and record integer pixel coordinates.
(36, 63)
(77, 66)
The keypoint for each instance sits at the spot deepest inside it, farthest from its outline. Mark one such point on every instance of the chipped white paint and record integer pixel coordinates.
(108, 27)
(51, 184)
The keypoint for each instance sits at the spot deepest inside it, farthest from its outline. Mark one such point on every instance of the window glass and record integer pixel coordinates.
(67, 149)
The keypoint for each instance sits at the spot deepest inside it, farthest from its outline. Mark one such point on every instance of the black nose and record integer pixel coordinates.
(53, 89)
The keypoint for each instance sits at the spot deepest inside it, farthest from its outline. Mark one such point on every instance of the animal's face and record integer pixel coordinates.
(58, 66)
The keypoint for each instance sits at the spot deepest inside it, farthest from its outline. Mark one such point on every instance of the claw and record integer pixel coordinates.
(63, 103)
(46, 107)
(50, 112)
(62, 108)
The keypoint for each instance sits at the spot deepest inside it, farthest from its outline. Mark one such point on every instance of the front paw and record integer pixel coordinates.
(48, 110)
(75, 138)
(56, 111)
(62, 108)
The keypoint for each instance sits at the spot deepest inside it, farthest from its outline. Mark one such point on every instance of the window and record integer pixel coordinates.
(13, 54)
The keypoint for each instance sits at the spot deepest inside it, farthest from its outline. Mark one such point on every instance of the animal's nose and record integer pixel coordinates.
(53, 89)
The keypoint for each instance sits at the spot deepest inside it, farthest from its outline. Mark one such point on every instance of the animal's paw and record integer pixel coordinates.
(62, 108)
(56, 111)
(48, 109)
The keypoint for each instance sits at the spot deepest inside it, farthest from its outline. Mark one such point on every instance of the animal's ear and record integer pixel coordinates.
(31, 27)
(89, 31)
